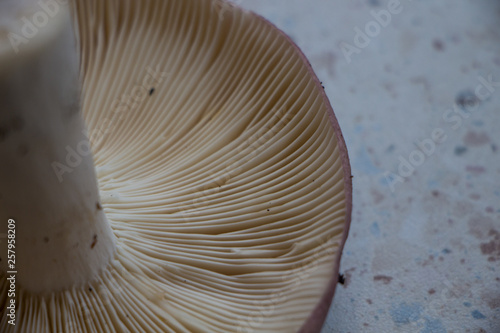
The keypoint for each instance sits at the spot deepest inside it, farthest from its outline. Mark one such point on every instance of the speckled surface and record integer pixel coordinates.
(418, 100)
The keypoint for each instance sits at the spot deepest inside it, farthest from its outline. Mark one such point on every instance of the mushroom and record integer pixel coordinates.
(217, 196)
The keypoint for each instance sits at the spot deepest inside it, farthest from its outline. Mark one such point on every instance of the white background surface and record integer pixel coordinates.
(423, 253)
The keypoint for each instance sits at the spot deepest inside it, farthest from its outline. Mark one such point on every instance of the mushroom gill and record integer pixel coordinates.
(222, 172)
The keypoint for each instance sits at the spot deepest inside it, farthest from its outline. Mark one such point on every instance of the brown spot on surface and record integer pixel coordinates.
(347, 276)
(377, 196)
(98, 206)
(466, 99)
(384, 278)
(493, 300)
(494, 303)
(428, 261)
(492, 248)
(46, 239)
(475, 169)
(431, 291)
(390, 89)
(476, 139)
(488, 248)
(94, 242)
(479, 226)
(435, 193)
(475, 196)
(369, 301)
(438, 45)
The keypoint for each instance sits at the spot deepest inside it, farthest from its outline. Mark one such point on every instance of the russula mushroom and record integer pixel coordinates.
(223, 195)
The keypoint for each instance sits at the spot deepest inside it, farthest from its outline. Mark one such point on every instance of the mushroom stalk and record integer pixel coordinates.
(48, 184)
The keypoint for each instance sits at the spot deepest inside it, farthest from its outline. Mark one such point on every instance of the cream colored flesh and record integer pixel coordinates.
(219, 172)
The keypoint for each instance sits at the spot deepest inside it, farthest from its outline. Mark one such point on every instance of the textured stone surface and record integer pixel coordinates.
(422, 126)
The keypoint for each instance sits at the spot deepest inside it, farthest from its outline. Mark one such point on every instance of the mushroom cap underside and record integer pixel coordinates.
(222, 171)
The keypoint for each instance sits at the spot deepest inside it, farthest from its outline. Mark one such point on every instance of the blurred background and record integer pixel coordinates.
(415, 85)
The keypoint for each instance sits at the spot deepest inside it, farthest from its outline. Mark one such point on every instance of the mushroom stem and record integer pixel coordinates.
(47, 178)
